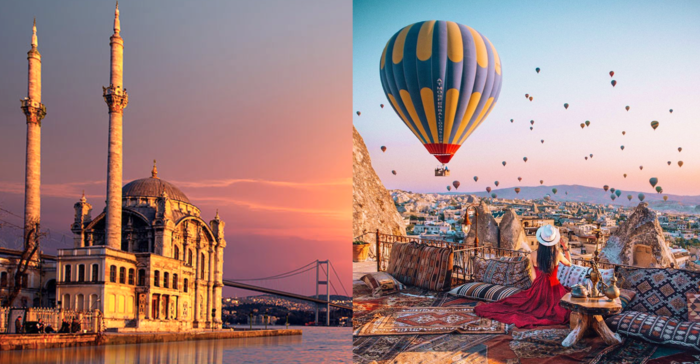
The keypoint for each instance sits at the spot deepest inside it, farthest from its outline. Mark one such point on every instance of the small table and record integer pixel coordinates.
(587, 313)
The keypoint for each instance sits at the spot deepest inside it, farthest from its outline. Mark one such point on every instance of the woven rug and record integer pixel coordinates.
(631, 351)
(430, 321)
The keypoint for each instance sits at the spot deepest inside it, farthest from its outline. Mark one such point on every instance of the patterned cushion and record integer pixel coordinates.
(382, 283)
(421, 266)
(511, 272)
(484, 291)
(657, 329)
(626, 296)
(575, 274)
(661, 291)
(693, 306)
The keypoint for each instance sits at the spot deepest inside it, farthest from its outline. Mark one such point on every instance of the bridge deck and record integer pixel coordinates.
(281, 293)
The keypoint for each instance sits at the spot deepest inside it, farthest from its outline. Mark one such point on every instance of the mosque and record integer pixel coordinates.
(149, 261)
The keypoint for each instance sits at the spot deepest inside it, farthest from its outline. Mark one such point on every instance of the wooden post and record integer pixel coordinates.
(379, 254)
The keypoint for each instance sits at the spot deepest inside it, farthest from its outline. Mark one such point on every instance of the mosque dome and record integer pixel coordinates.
(153, 187)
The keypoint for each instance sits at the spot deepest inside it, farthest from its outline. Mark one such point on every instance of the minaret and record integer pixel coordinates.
(116, 98)
(34, 111)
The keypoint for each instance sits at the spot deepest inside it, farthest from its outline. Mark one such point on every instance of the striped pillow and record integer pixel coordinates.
(421, 266)
(626, 296)
(484, 291)
(511, 272)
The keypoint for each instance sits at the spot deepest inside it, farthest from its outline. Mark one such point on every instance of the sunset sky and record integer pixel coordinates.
(245, 105)
(653, 48)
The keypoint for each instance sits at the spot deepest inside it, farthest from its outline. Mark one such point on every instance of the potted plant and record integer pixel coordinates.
(360, 251)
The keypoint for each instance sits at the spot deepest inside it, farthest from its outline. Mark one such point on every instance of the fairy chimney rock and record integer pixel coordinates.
(511, 233)
(487, 226)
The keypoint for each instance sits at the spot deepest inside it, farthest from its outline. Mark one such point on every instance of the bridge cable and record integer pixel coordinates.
(341, 282)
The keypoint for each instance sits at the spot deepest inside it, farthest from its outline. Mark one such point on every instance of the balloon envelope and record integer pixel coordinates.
(629, 197)
(566, 106)
(496, 183)
(653, 181)
(541, 181)
(449, 188)
(680, 163)
(537, 69)
(679, 149)
(383, 148)
(665, 198)
(554, 190)
(612, 73)
(654, 124)
(456, 184)
(394, 172)
(613, 197)
(488, 189)
(588, 122)
(606, 188)
(618, 193)
(583, 125)
(504, 163)
(659, 189)
(627, 108)
(442, 79)
(525, 159)
(494, 195)
(613, 82)
(381, 105)
(640, 197)
(517, 190)
(520, 179)
(476, 178)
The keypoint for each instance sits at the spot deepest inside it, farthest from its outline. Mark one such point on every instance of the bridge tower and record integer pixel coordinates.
(328, 296)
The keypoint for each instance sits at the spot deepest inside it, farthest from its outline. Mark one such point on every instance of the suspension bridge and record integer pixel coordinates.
(318, 272)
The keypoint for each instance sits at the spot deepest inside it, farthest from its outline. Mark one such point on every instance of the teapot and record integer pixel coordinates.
(579, 291)
(612, 291)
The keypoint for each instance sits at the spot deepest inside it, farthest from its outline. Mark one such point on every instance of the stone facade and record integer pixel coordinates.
(39, 284)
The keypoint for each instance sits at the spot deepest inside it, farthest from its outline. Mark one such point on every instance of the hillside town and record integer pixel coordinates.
(436, 216)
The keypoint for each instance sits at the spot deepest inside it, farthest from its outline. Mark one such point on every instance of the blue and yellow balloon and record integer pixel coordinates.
(442, 79)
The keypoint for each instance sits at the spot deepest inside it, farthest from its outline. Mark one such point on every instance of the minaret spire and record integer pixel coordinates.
(35, 42)
(117, 25)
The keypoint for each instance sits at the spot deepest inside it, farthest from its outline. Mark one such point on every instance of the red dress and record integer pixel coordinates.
(536, 306)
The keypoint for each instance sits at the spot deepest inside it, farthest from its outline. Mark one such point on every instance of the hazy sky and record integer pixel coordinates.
(653, 48)
(245, 104)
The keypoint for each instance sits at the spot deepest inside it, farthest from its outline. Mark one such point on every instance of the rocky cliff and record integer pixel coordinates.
(511, 233)
(487, 227)
(638, 241)
(372, 205)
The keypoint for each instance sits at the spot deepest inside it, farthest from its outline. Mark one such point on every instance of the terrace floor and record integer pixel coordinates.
(517, 346)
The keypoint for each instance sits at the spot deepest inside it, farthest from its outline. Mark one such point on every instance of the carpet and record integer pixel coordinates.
(631, 351)
(679, 358)
(430, 320)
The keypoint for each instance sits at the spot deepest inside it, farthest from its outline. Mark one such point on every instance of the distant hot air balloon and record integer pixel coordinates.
(640, 197)
(606, 188)
(669, 163)
(583, 125)
(456, 184)
(488, 189)
(537, 69)
(527, 96)
(442, 79)
(494, 195)
(612, 190)
(679, 149)
(554, 190)
(622, 147)
(530, 98)
(532, 122)
(530, 128)
(665, 198)
(381, 105)
(359, 113)
(525, 159)
(670, 111)
(394, 172)
(680, 163)
(383, 148)
(586, 157)
(588, 123)
(613, 82)
(653, 181)
(613, 197)
(612, 73)
(629, 197)
(654, 124)
(623, 132)
(520, 179)
(659, 189)
(504, 163)
(517, 190)
(511, 120)
(641, 167)
(496, 183)
(542, 141)
(566, 106)
(618, 193)
(566, 192)
(627, 108)
(591, 155)
(449, 188)
(541, 181)
(624, 175)
(476, 178)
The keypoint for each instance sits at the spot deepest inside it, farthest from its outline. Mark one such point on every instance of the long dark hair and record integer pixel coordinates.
(547, 258)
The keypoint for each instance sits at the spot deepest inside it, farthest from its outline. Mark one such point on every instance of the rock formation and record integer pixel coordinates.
(511, 233)
(372, 205)
(487, 226)
(638, 241)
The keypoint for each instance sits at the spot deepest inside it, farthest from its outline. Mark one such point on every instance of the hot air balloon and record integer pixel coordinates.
(659, 189)
(622, 147)
(606, 188)
(442, 79)
(530, 128)
(654, 124)
(669, 163)
(541, 181)
(627, 108)
(517, 190)
(588, 123)
(537, 69)
(542, 141)
(449, 188)
(586, 157)
(496, 183)
(530, 98)
(359, 113)
(488, 189)
(591, 155)
(476, 178)
(641, 167)
(653, 181)
(566, 106)
(532, 122)
(504, 163)
(629, 197)
(612, 190)
(624, 175)
(554, 190)
(525, 159)
(618, 193)
(665, 198)
(383, 148)
(679, 149)
(623, 132)
(381, 105)
(613, 82)
(511, 120)
(456, 184)
(612, 73)
(680, 163)
(494, 195)
(566, 192)
(527, 96)
(394, 172)
(640, 197)
(670, 111)
(520, 179)
(613, 197)
(583, 125)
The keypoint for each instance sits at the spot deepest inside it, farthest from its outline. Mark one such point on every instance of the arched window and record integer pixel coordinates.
(113, 273)
(142, 277)
(131, 276)
(189, 257)
(81, 272)
(176, 253)
(3, 279)
(156, 278)
(67, 273)
(122, 275)
(95, 273)
(201, 264)
(174, 281)
(66, 301)
(185, 285)
(166, 280)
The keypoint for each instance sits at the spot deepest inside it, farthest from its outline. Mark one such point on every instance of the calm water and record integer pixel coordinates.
(316, 345)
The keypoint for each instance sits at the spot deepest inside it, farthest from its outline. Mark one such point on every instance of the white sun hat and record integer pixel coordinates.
(548, 235)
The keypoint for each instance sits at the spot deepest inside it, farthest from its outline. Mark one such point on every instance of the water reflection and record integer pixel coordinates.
(180, 352)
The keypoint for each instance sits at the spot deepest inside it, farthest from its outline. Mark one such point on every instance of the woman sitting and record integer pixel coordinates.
(538, 305)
